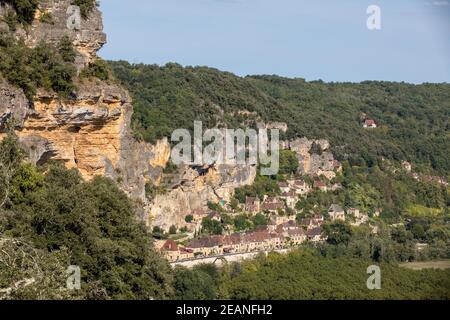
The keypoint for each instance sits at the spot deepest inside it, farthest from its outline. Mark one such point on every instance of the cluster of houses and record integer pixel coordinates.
(278, 234)
(281, 232)
(291, 191)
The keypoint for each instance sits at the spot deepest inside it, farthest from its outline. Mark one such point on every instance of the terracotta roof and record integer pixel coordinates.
(299, 183)
(296, 232)
(206, 242)
(250, 200)
(272, 206)
(258, 236)
(169, 245)
(314, 232)
(370, 122)
(319, 184)
(289, 194)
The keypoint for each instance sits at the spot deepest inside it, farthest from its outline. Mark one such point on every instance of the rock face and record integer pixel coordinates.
(91, 131)
(195, 190)
(84, 132)
(87, 39)
(313, 163)
(13, 104)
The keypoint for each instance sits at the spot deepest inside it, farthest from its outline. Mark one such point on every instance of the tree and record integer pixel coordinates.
(259, 220)
(193, 284)
(241, 222)
(66, 50)
(173, 229)
(189, 218)
(337, 233)
(11, 156)
(211, 226)
(95, 221)
(288, 162)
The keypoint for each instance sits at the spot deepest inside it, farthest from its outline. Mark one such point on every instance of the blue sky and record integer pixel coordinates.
(312, 39)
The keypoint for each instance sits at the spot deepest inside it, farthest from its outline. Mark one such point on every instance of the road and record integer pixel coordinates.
(218, 260)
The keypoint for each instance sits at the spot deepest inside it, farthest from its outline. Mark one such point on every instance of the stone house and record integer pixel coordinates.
(173, 253)
(284, 187)
(336, 213)
(369, 124)
(290, 198)
(300, 187)
(252, 205)
(198, 215)
(215, 216)
(297, 236)
(207, 246)
(315, 235)
(320, 185)
(272, 205)
(354, 212)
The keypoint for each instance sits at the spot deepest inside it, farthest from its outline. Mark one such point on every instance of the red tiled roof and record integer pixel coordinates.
(319, 184)
(169, 245)
(314, 232)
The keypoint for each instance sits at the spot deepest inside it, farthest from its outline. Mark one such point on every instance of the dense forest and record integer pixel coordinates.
(305, 275)
(412, 119)
(51, 219)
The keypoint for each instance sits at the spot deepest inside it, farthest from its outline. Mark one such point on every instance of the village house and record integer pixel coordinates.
(337, 166)
(272, 205)
(252, 205)
(284, 187)
(319, 219)
(282, 219)
(359, 217)
(256, 241)
(289, 225)
(369, 124)
(290, 198)
(272, 226)
(207, 246)
(301, 187)
(297, 236)
(336, 213)
(312, 223)
(198, 215)
(172, 252)
(320, 185)
(315, 235)
(215, 216)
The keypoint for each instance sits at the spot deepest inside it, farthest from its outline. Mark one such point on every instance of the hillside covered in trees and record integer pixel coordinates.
(412, 119)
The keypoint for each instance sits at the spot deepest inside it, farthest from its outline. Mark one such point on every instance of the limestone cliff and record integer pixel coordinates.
(91, 130)
(87, 39)
(312, 163)
(195, 188)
